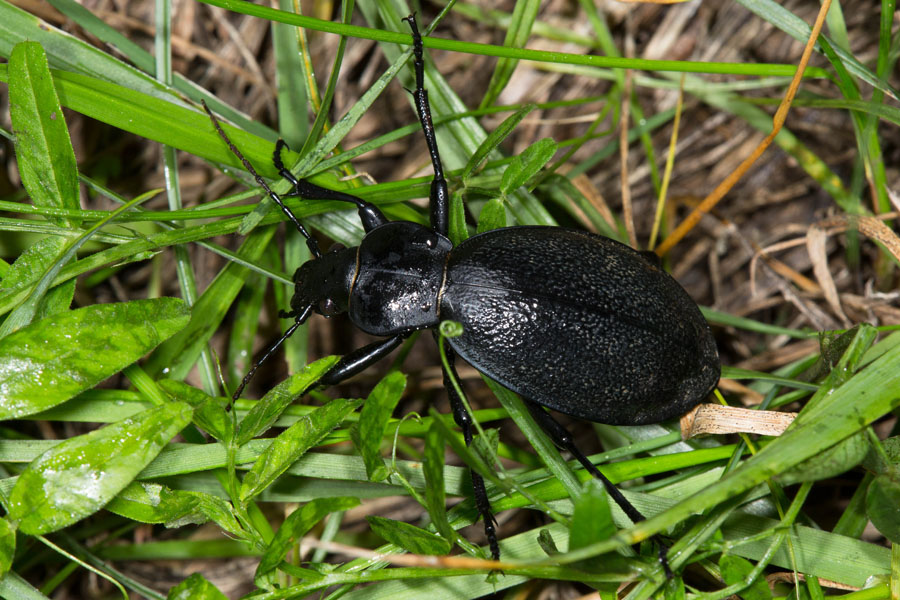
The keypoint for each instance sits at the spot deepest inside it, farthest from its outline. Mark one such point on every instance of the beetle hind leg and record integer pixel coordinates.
(563, 439)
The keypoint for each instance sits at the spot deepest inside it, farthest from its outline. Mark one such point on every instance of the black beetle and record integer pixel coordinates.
(570, 320)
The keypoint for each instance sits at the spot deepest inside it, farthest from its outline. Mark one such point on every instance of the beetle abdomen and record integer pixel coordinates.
(579, 323)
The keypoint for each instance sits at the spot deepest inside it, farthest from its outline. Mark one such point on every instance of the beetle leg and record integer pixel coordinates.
(360, 359)
(439, 197)
(370, 215)
(464, 421)
(563, 439)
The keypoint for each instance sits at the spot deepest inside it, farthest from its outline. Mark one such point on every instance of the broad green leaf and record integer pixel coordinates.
(79, 476)
(493, 215)
(266, 411)
(526, 165)
(296, 526)
(736, 570)
(43, 148)
(148, 502)
(435, 492)
(409, 537)
(486, 444)
(195, 587)
(883, 504)
(7, 546)
(293, 443)
(373, 420)
(53, 359)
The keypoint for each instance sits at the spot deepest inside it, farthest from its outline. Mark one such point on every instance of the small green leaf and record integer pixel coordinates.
(293, 443)
(736, 570)
(148, 502)
(221, 513)
(493, 215)
(547, 543)
(30, 266)
(296, 526)
(458, 231)
(409, 537)
(591, 522)
(592, 517)
(52, 360)
(79, 476)
(266, 411)
(493, 140)
(486, 444)
(526, 165)
(195, 587)
(43, 148)
(373, 420)
(209, 412)
(674, 589)
(7, 546)
(435, 494)
(883, 504)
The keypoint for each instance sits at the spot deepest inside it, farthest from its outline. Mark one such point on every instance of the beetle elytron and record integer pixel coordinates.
(569, 320)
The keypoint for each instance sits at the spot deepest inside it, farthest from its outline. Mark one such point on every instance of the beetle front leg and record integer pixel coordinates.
(440, 196)
(360, 359)
(464, 421)
(370, 215)
(563, 439)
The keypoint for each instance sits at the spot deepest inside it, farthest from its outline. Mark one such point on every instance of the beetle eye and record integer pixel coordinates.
(327, 307)
(336, 247)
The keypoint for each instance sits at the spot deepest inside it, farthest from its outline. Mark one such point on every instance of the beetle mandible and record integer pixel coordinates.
(569, 320)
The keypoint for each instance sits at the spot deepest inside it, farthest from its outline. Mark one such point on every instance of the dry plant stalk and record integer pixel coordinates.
(708, 419)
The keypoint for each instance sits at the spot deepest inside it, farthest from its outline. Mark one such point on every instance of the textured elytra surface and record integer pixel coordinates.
(579, 323)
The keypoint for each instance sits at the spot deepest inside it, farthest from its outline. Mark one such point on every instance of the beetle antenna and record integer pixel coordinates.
(310, 240)
(299, 319)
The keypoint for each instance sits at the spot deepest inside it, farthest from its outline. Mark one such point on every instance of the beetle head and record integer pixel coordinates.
(322, 284)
